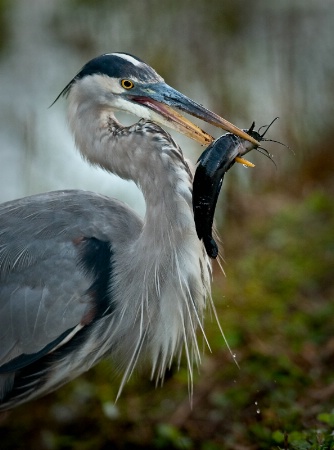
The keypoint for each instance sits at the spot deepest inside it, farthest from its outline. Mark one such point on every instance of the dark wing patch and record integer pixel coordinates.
(95, 257)
(25, 360)
(34, 375)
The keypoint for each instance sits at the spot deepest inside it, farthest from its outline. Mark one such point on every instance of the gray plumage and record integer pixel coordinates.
(81, 275)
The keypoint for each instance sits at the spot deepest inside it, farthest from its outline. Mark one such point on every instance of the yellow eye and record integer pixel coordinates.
(127, 84)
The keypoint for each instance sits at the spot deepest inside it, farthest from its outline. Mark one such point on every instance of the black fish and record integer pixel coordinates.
(214, 162)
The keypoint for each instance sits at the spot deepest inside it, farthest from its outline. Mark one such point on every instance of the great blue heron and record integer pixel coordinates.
(81, 275)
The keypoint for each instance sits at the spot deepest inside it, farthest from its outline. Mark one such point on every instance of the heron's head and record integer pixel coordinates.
(122, 82)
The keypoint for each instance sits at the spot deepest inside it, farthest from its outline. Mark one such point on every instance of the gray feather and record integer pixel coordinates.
(43, 289)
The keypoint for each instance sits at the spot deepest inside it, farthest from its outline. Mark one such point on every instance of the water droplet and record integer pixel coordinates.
(245, 165)
(255, 403)
(258, 411)
(110, 410)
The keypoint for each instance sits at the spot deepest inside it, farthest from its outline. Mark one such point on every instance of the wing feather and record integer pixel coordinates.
(44, 290)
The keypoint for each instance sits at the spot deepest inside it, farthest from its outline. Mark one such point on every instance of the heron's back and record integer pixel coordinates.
(54, 248)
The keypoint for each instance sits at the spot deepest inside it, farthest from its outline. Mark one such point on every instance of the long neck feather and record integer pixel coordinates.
(166, 264)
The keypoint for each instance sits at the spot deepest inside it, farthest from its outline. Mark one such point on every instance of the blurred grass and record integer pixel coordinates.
(276, 309)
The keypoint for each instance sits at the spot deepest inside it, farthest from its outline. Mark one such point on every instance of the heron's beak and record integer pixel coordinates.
(162, 99)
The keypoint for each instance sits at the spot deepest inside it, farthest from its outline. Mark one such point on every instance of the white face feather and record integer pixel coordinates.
(106, 84)
(99, 85)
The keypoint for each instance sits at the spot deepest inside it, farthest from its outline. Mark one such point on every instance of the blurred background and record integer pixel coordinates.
(247, 61)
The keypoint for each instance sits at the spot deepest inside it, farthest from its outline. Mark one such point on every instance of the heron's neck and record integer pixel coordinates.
(166, 258)
(143, 153)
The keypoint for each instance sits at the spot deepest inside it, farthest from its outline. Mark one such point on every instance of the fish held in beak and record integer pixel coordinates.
(214, 162)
